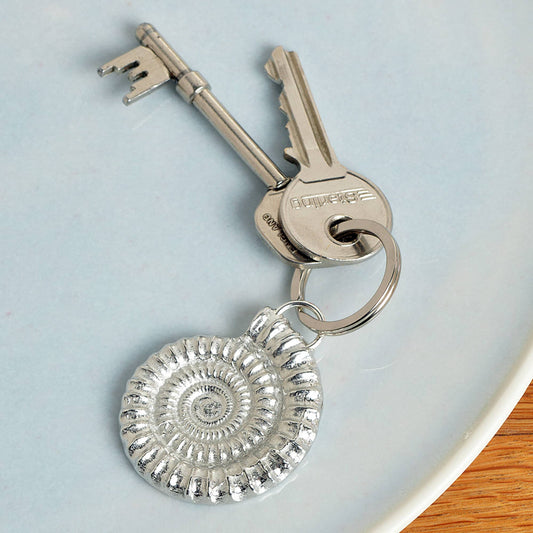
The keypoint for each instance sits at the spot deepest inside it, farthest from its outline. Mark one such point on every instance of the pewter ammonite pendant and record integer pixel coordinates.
(213, 420)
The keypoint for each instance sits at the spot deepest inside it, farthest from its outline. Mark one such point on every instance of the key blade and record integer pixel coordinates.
(310, 146)
(145, 70)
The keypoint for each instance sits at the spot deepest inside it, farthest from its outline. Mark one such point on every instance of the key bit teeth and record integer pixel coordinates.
(125, 61)
(144, 68)
(137, 72)
(106, 69)
(115, 66)
(142, 87)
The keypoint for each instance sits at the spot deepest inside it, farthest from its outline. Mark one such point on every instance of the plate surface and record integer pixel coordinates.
(124, 229)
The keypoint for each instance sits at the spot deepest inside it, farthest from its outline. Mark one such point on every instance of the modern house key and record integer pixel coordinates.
(324, 193)
(154, 63)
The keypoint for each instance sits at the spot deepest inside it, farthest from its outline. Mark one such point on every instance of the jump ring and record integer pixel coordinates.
(299, 304)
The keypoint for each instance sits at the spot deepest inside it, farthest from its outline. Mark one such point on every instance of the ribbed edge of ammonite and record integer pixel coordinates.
(213, 420)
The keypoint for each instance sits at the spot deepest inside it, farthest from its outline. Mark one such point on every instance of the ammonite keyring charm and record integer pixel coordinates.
(212, 419)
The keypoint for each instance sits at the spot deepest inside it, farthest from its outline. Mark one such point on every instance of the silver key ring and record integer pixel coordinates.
(378, 300)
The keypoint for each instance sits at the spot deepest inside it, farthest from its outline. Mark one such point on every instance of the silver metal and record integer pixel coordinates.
(310, 145)
(214, 420)
(270, 228)
(303, 304)
(145, 71)
(324, 192)
(378, 300)
(308, 211)
(155, 62)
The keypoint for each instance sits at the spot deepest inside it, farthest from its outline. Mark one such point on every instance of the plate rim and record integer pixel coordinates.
(483, 430)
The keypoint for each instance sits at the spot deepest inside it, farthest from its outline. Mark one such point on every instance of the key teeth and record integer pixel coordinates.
(145, 71)
(283, 105)
(271, 71)
(290, 153)
(125, 61)
(270, 65)
(142, 87)
(308, 140)
(105, 70)
(136, 73)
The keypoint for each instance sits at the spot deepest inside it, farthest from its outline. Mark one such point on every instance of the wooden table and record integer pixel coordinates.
(495, 493)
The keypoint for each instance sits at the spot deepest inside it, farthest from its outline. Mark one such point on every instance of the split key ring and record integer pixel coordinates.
(378, 300)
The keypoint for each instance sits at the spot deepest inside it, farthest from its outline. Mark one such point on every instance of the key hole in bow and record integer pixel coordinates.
(350, 237)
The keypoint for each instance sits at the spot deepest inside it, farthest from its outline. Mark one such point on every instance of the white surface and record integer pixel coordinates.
(123, 229)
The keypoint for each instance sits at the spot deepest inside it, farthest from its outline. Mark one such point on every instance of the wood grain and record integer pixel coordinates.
(495, 493)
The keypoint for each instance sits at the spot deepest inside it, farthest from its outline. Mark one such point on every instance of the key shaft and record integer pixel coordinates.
(195, 90)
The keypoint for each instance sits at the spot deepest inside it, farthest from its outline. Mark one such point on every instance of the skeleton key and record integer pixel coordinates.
(324, 193)
(154, 63)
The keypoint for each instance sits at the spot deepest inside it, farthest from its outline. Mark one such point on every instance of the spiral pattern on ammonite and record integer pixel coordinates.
(214, 419)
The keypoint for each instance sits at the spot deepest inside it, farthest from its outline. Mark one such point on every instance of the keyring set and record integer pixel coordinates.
(211, 419)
